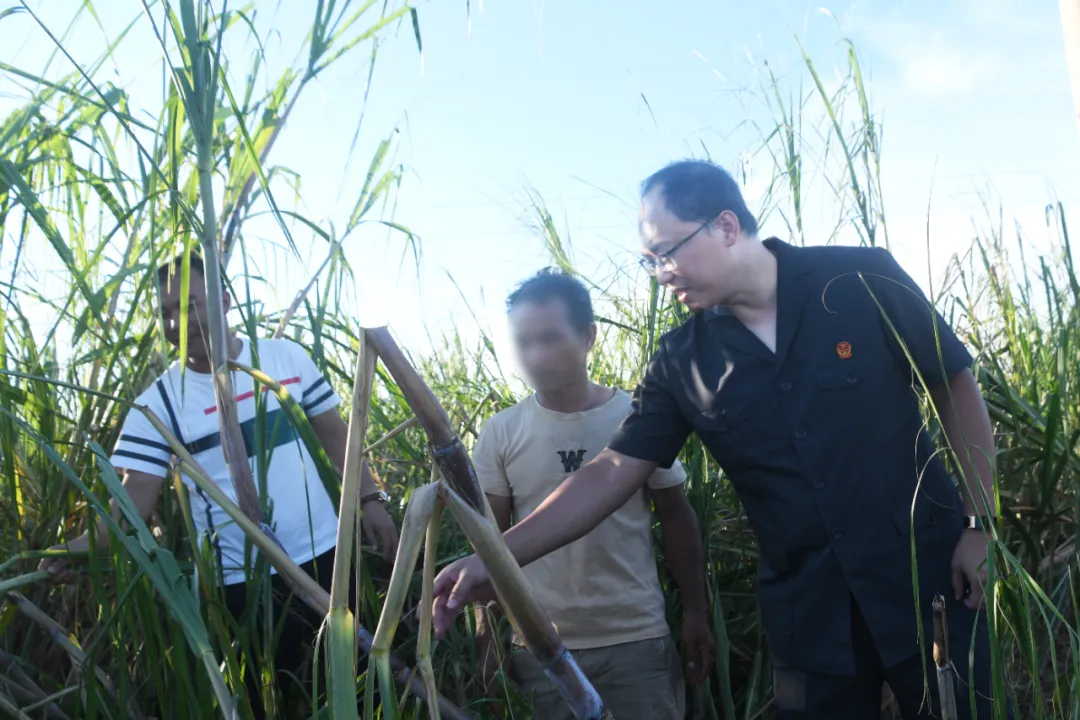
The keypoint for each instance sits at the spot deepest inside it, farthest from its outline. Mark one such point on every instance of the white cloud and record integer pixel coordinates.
(943, 69)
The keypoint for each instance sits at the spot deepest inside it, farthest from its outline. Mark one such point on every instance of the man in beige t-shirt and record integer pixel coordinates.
(602, 591)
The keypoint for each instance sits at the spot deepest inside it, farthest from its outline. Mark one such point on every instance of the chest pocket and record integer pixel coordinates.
(839, 391)
(727, 423)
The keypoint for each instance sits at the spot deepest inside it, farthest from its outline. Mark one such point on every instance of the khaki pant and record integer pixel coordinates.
(640, 680)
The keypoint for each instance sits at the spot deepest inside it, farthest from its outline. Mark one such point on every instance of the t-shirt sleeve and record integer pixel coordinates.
(316, 395)
(663, 478)
(656, 428)
(140, 447)
(487, 461)
(907, 316)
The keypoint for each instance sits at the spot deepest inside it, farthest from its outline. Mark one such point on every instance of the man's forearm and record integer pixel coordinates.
(682, 547)
(367, 481)
(144, 495)
(333, 433)
(581, 503)
(968, 430)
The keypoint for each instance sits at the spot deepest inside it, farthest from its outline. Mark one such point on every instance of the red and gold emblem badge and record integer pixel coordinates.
(843, 349)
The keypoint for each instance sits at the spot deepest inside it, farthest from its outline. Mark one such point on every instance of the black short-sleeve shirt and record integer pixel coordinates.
(824, 442)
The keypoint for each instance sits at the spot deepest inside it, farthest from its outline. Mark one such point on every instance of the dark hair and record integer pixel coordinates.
(699, 190)
(553, 283)
(195, 262)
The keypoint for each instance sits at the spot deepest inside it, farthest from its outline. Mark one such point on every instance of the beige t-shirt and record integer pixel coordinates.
(602, 589)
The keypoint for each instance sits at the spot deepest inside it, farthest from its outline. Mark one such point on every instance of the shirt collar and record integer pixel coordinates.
(790, 263)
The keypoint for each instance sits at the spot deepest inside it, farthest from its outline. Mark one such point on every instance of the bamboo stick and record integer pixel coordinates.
(946, 674)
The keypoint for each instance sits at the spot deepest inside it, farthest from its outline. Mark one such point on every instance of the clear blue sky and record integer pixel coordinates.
(973, 96)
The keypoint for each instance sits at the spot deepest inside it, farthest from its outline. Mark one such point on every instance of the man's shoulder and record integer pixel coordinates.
(280, 347)
(685, 331)
(150, 394)
(281, 355)
(845, 258)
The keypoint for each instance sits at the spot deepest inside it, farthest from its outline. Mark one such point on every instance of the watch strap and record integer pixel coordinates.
(377, 496)
(979, 522)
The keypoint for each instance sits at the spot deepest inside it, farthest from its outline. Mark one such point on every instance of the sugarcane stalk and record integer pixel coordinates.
(300, 583)
(328, 474)
(200, 106)
(12, 710)
(391, 434)
(418, 514)
(946, 673)
(286, 318)
(462, 494)
(427, 599)
(340, 620)
(450, 455)
(64, 640)
(11, 668)
(524, 612)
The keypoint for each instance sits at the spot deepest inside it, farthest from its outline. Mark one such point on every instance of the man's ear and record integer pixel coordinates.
(728, 223)
(590, 336)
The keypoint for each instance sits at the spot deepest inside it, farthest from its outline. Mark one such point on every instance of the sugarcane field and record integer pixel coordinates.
(480, 360)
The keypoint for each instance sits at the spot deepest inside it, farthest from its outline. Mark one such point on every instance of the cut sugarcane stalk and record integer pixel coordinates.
(340, 620)
(427, 592)
(462, 494)
(524, 612)
(417, 516)
(304, 586)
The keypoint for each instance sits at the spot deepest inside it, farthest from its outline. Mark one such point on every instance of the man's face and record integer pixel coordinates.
(198, 333)
(700, 271)
(552, 352)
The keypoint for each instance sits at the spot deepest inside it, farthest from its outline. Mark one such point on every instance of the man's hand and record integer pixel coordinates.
(699, 648)
(379, 529)
(460, 583)
(59, 566)
(969, 564)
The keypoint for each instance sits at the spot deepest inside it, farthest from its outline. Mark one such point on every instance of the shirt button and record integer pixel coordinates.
(785, 387)
(817, 481)
(838, 534)
(800, 434)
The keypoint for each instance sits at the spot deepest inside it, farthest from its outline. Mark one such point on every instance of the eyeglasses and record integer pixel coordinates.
(665, 261)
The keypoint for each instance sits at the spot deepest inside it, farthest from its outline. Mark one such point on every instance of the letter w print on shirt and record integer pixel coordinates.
(571, 459)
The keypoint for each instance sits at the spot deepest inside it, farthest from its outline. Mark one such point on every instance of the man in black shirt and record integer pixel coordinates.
(800, 371)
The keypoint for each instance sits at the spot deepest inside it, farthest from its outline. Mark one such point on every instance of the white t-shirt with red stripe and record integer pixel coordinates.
(300, 511)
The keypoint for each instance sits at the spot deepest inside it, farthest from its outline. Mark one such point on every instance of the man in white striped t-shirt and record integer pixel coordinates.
(298, 507)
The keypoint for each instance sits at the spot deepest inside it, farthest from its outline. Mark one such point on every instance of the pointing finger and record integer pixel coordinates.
(459, 596)
(390, 542)
(442, 618)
